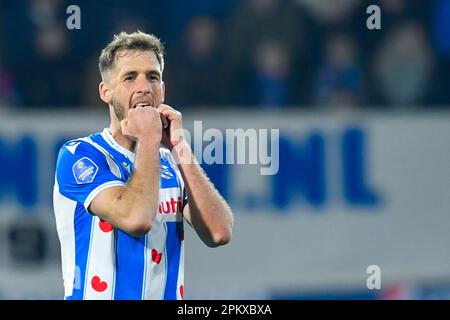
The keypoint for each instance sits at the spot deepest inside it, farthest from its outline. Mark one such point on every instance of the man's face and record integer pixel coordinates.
(135, 79)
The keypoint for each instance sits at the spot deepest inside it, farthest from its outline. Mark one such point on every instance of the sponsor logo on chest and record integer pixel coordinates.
(170, 205)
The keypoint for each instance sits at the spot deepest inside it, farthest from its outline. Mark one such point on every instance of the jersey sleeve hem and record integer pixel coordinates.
(100, 188)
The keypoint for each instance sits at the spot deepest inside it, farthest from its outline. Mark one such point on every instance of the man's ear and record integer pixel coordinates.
(105, 92)
(163, 89)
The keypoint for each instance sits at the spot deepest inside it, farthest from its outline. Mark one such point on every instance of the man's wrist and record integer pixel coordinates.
(148, 144)
(182, 153)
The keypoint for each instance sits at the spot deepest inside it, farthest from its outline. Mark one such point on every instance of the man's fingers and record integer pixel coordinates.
(165, 122)
(124, 126)
(164, 116)
(169, 112)
(124, 123)
(164, 107)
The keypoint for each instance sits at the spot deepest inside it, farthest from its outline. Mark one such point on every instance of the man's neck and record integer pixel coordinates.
(116, 133)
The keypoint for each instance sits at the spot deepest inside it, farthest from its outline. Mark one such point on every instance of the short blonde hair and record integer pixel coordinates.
(138, 41)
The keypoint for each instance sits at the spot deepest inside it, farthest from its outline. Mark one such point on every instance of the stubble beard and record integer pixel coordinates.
(119, 109)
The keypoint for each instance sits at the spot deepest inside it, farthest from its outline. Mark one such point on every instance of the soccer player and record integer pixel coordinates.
(121, 195)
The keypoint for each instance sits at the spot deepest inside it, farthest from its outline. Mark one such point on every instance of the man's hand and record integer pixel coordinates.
(173, 135)
(142, 124)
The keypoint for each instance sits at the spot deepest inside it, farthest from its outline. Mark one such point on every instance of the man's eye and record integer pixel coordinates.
(128, 78)
(154, 78)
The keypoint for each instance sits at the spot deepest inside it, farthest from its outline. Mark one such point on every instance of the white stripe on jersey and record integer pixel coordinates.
(66, 234)
(100, 275)
(155, 271)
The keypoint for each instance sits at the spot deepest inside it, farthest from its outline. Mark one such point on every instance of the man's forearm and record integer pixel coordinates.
(139, 200)
(210, 214)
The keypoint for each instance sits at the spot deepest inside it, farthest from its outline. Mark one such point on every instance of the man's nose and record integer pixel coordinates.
(143, 86)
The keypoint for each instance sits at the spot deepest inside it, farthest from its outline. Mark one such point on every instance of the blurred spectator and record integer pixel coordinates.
(255, 22)
(394, 13)
(403, 66)
(441, 43)
(271, 75)
(339, 80)
(49, 77)
(51, 42)
(441, 28)
(8, 93)
(194, 76)
(242, 52)
(330, 12)
(175, 16)
(44, 65)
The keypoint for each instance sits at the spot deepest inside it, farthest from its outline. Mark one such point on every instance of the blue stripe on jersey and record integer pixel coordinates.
(83, 225)
(173, 252)
(129, 267)
(119, 158)
(168, 175)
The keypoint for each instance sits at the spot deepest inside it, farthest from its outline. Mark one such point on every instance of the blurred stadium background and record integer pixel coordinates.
(364, 146)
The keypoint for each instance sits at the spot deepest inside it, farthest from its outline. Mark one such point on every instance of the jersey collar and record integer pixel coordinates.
(107, 136)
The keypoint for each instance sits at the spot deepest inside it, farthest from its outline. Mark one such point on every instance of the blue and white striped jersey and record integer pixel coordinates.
(100, 261)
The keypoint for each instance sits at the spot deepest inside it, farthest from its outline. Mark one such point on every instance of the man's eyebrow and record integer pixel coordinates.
(133, 73)
(155, 72)
(129, 73)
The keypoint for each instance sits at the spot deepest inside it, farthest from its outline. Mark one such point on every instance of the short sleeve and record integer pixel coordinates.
(82, 172)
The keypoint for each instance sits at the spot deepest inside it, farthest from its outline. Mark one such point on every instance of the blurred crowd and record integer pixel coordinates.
(268, 54)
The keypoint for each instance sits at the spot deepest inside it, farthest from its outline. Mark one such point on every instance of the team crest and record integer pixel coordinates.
(84, 170)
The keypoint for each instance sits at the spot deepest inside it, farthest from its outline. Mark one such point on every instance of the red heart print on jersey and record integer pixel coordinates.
(105, 226)
(156, 256)
(98, 285)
